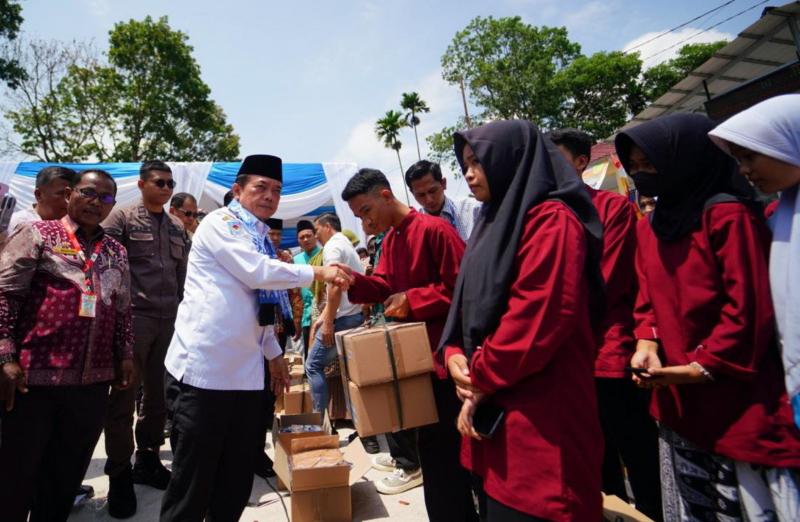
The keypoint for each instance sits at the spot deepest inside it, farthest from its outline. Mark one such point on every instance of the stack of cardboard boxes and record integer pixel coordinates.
(311, 466)
(386, 372)
(296, 400)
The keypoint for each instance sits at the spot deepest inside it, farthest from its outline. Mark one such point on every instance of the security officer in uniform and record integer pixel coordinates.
(157, 256)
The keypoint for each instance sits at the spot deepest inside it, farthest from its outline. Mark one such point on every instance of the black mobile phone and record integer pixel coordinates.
(640, 372)
(487, 419)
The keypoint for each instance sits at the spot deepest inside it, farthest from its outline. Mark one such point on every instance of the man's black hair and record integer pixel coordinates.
(180, 198)
(227, 198)
(48, 174)
(329, 217)
(362, 250)
(153, 165)
(365, 181)
(102, 173)
(577, 142)
(421, 169)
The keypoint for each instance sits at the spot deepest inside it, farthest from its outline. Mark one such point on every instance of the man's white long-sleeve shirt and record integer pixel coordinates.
(218, 343)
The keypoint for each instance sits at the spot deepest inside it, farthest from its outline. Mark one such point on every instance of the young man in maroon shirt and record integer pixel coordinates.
(630, 433)
(414, 279)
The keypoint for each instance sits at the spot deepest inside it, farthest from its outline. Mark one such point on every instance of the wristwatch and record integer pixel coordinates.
(7, 358)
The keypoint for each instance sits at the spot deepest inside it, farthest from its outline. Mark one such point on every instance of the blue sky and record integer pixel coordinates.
(306, 80)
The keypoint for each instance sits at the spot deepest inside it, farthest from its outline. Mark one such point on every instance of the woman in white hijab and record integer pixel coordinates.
(765, 139)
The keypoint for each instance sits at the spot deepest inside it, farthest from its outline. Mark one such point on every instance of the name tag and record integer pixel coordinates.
(88, 305)
(66, 251)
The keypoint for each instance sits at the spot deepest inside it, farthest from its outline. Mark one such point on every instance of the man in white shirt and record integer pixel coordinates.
(234, 293)
(424, 179)
(339, 313)
(51, 185)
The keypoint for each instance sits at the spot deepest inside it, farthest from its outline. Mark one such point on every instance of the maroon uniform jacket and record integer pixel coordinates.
(539, 366)
(705, 297)
(421, 257)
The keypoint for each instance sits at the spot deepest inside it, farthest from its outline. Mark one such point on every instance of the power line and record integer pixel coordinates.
(680, 26)
(706, 30)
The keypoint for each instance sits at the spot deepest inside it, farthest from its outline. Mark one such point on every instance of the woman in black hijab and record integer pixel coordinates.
(519, 335)
(705, 330)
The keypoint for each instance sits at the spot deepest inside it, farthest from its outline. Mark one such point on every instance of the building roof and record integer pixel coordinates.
(765, 46)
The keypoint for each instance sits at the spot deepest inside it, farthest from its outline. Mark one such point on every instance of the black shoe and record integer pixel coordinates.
(149, 470)
(264, 466)
(371, 445)
(121, 497)
(168, 429)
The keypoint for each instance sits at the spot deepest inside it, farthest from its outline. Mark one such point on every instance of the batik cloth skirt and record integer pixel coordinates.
(701, 486)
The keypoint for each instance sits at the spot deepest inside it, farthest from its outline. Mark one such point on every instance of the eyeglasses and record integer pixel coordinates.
(188, 213)
(161, 183)
(90, 194)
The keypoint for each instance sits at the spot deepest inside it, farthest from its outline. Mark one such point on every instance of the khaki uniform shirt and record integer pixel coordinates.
(157, 255)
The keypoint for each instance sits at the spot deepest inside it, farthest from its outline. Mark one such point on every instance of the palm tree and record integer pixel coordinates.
(388, 130)
(414, 105)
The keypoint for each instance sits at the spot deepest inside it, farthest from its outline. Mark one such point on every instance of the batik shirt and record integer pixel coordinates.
(41, 282)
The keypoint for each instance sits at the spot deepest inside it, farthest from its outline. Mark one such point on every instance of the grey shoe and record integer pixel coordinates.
(383, 462)
(399, 481)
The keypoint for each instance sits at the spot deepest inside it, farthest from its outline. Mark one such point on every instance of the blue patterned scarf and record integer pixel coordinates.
(264, 246)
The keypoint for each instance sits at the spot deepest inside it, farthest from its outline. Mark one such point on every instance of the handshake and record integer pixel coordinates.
(336, 274)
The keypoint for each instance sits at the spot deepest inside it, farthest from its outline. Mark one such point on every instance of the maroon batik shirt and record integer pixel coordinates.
(41, 281)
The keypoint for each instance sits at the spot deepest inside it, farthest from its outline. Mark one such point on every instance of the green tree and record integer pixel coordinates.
(388, 130)
(509, 67)
(441, 144)
(412, 103)
(61, 107)
(661, 78)
(10, 19)
(164, 107)
(602, 92)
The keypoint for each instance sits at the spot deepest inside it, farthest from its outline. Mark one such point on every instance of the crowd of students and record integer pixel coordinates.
(667, 347)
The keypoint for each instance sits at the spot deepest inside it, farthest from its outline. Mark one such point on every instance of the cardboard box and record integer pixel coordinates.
(366, 356)
(330, 505)
(617, 510)
(307, 419)
(297, 400)
(295, 364)
(374, 409)
(318, 494)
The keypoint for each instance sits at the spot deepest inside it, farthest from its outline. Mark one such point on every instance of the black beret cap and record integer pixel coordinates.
(263, 165)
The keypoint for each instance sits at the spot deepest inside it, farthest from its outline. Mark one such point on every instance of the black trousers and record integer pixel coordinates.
(48, 440)
(446, 484)
(213, 436)
(403, 449)
(493, 511)
(266, 415)
(631, 435)
(306, 340)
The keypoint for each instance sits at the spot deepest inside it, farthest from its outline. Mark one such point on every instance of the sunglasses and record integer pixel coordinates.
(90, 194)
(161, 183)
(189, 214)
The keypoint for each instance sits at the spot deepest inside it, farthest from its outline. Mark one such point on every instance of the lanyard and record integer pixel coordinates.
(87, 264)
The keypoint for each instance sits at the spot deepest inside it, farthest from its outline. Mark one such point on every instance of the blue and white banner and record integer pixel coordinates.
(308, 188)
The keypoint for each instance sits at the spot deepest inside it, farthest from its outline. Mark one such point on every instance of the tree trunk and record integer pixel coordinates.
(416, 138)
(403, 176)
(464, 99)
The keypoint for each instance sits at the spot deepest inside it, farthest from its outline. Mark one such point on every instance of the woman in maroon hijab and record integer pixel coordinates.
(519, 335)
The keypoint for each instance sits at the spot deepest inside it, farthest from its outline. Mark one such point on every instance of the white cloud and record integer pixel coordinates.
(363, 147)
(651, 53)
(97, 8)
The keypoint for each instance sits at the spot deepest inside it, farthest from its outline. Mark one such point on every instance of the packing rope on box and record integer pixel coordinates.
(380, 321)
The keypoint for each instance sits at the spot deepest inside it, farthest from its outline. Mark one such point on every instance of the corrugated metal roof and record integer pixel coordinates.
(761, 48)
